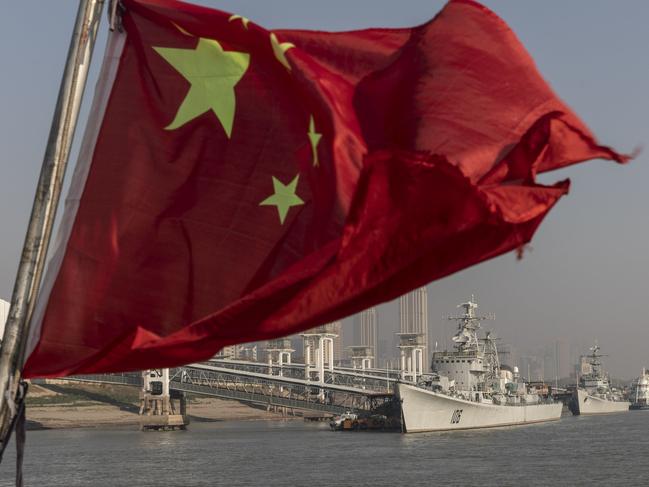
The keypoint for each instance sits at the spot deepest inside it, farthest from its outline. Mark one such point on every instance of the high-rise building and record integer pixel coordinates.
(575, 353)
(366, 333)
(562, 357)
(228, 352)
(413, 316)
(337, 328)
(384, 354)
(557, 363)
(549, 363)
(246, 351)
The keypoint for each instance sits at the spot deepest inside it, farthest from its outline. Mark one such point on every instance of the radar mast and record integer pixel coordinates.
(466, 337)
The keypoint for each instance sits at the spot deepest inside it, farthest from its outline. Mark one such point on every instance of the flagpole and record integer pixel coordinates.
(44, 207)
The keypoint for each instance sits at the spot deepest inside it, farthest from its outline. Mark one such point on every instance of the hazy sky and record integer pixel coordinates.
(587, 276)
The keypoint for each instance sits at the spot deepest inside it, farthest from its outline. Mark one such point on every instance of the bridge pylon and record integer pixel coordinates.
(157, 408)
(279, 353)
(318, 355)
(412, 347)
(362, 356)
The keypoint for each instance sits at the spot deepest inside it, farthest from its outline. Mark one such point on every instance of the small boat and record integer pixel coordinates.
(339, 423)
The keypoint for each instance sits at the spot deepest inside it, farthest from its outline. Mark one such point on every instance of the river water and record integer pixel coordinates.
(605, 450)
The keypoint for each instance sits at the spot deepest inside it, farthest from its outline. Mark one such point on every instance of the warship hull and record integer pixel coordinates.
(424, 410)
(584, 403)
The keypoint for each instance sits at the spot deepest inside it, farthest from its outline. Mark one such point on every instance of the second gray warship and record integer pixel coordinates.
(594, 394)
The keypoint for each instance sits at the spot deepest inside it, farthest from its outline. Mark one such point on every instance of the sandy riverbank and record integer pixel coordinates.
(94, 406)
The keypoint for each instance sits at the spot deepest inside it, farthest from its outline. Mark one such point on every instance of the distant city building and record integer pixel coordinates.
(246, 351)
(365, 333)
(249, 353)
(531, 367)
(413, 317)
(575, 354)
(551, 362)
(385, 353)
(548, 362)
(556, 361)
(562, 359)
(4, 314)
(228, 352)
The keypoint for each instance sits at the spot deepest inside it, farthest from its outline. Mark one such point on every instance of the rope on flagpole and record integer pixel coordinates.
(17, 406)
(115, 11)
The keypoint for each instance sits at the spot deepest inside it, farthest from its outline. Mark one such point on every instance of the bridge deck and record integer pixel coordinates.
(264, 389)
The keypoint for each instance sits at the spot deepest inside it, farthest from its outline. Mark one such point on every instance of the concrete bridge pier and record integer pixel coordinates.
(157, 409)
(318, 356)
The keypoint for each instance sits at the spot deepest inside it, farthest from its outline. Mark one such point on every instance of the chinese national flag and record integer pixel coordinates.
(237, 184)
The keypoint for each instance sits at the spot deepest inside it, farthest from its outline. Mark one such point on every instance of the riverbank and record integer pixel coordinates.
(57, 406)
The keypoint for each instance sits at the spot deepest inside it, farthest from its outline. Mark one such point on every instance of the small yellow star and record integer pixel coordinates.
(280, 50)
(245, 21)
(183, 31)
(314, 139)
(284, 197)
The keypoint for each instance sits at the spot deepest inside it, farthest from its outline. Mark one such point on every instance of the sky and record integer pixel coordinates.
(587, 275)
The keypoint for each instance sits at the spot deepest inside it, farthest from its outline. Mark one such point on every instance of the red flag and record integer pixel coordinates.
(236, 184)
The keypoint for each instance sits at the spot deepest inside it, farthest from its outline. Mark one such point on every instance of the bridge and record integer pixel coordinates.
(273, 386)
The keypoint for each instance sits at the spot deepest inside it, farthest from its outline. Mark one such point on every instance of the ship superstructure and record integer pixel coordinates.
(594, 394)
(468, 387)
(640, 392)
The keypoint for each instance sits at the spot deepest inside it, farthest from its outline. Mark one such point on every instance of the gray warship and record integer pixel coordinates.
(468, 388)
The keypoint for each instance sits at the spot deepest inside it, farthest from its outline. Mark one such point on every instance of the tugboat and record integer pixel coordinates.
(640, 392)
(338, 423)
(594, 394)
(468, 388)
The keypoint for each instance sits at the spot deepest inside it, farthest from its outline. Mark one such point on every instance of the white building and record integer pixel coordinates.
(4, 314)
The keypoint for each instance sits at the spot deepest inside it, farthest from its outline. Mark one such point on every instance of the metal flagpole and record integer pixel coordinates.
(43, 213)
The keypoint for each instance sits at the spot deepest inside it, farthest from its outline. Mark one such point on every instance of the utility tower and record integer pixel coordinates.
(278, 354)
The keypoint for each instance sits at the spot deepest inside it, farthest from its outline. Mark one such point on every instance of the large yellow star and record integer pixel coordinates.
(283, 197)
(213, 74)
